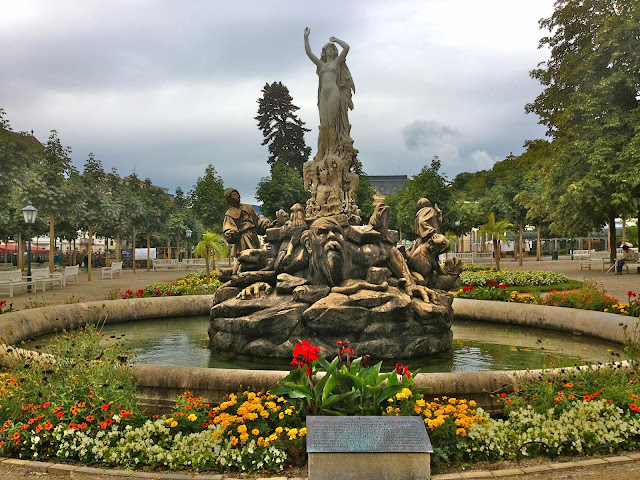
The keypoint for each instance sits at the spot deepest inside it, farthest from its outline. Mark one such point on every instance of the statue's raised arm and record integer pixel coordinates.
(307, 48)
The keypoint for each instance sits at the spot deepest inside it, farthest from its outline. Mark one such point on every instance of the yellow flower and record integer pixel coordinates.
(461, 432)
(302, 432)
(169, 420)
(173, 424)
(244, 437)
(242, 429)
(234, 441)
(192, 418)
(255, 431)
(278, 430)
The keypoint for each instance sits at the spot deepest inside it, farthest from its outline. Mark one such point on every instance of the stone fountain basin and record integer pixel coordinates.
(158, 386)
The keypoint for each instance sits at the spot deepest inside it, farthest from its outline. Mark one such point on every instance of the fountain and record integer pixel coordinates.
(325, 276)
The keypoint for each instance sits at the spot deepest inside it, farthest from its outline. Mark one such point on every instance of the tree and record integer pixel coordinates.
(498, 231)
(95, 201)
(211, 245)
(207, 200)
(428, 183)
(281, 190)
(364, 193)
(283, 131)
(590, 105)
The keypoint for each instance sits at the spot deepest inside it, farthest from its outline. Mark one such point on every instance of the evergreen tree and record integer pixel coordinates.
(283, 131)
(207, 200)
(281, 190)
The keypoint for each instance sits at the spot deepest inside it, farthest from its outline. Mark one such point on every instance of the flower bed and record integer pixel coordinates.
(513, 278)
(194, 283)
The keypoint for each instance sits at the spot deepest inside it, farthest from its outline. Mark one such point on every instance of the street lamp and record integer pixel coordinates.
(188, 234)
(30, 213)
(636, 203)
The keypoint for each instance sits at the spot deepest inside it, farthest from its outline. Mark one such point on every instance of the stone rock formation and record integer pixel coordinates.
(324, 276)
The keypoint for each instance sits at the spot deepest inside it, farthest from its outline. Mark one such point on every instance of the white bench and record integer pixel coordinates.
(114, 269)
(70, 273)
(167, 263)
(43, 276)
(600, 259)
(13, 278)
(582, 254)
(196, 263)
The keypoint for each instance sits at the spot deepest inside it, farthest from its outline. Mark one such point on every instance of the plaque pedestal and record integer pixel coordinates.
(355, 448)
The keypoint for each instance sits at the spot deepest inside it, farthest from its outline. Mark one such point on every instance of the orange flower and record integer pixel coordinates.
(558, 399)
(48, 425)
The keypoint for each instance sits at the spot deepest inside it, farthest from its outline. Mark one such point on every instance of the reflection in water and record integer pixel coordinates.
(477, 346)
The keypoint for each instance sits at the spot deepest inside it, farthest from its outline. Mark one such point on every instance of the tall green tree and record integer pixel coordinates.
(281, 190)
(591, 108)
(207, 200)
(428, 183)
(283, 131)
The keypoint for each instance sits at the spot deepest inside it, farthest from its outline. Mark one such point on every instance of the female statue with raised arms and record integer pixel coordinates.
(334, 96)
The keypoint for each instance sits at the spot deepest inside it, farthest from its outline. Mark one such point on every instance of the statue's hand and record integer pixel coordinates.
(333, 39)
(307, 31)
(420, 291)
(257, 289)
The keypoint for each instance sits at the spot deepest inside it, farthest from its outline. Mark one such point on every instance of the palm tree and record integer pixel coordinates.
(212, 244)
(498, 231)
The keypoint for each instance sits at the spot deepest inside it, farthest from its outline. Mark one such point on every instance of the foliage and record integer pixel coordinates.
(477, 267)
(586, 298)
(494, 291)
(498, 229)
(448, 421)
(631, 308)
(195, 283)
(590, 106)
(207, 200)
(430, 183)
(211, 246)
(4, 308)
(283, 131)
(85, 383)
(350, 389)
(512, 277)
(281, 190)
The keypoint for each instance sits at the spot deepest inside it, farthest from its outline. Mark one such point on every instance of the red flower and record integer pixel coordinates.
(304, 353)
(503, 395)
(402, 370)
(629, 293)
(139, 293)
(104, 407)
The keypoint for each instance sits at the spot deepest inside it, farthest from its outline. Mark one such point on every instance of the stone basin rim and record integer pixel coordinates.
(159, 385)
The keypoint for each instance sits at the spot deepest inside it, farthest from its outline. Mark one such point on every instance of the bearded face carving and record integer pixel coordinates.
(328, 262)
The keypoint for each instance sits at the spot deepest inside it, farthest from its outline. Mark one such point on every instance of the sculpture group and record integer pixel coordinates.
(325, 277)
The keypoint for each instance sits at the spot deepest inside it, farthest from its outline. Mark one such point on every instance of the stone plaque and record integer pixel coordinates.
(367, 434)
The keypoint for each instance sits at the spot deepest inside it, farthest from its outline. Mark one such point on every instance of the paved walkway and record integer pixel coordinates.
(618, 467)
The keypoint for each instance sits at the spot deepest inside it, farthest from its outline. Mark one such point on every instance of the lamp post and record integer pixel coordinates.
(188, 233)
(30, 213)
(636, 203)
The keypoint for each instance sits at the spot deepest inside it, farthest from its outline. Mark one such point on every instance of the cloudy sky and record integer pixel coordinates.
(167, 87)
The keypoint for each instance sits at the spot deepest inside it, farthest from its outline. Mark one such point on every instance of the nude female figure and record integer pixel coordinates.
(334, 95)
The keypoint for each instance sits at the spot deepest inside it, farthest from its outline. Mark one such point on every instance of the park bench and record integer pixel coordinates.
(168, 263)
(600, 259)
(581, 254)
(114, 269)
(70, 273)
(196, 263)
(43, 277)
(13, 278)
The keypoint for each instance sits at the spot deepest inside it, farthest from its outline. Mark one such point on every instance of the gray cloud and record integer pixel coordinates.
(172, 87)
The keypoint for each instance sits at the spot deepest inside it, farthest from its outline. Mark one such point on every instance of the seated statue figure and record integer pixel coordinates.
(242, 224)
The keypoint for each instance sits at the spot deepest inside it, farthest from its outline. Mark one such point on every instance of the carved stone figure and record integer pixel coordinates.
(325, 276)
(242, 224)
(328, 261)
(329, 173)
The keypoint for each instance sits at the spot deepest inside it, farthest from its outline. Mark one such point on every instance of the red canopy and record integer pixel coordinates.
(11, 248)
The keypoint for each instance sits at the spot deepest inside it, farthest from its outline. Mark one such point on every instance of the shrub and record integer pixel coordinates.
(513, 278)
